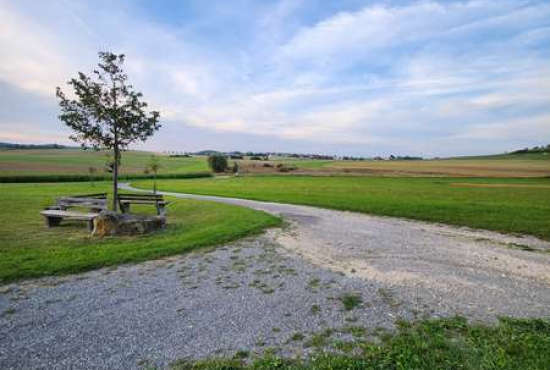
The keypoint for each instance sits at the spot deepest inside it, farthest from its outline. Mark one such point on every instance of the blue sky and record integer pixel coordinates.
(431, 78)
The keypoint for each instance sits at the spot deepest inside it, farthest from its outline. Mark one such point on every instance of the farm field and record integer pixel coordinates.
(508, 165)
(29, 249)
(506, 205)
(77, 162)
(483, 167)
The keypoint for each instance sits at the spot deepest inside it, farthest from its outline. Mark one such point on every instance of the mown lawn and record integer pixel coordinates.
(445, 344)
(507, 205)
(29, 249)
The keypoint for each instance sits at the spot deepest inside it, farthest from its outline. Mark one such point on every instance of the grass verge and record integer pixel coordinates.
(28, 249)
(513, 209)
(432, 345)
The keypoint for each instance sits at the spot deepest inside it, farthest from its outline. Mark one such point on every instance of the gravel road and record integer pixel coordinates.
(277, 292)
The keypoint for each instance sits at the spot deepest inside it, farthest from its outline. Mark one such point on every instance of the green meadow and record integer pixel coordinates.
(28, 249)
(519, 206)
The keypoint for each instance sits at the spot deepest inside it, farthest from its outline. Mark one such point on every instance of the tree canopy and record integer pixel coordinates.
(106, 112)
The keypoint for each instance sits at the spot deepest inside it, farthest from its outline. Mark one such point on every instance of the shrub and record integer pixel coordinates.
(217, 162)
(282, 169)
(285, 168)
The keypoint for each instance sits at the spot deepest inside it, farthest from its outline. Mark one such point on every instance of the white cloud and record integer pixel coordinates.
(30, 57)
(528, 129)
(382, 75)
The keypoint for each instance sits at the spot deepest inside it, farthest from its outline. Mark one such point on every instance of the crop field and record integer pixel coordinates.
(519, 165)
(506, 205)
(29, 249)
(504, 167)
(76, 161)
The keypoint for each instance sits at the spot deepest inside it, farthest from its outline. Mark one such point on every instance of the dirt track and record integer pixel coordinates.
(478, 273)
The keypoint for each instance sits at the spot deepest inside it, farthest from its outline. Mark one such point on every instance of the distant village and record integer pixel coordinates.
(268, 156)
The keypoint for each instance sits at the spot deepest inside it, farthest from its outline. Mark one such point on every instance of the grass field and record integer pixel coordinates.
(505, 205)
(76, 161)
(29, 249)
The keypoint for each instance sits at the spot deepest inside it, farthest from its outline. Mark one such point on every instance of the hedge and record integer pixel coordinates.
(81, 178)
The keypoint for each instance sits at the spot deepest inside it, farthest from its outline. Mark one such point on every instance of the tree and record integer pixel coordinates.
(235, 168)
(217, 162)
(154, 167)
(107, 112)
(91, 171)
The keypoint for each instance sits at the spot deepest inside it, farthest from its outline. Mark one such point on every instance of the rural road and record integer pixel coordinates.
(276, 291)
(477, 273)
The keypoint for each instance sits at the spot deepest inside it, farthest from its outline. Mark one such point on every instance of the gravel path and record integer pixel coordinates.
(279, 292)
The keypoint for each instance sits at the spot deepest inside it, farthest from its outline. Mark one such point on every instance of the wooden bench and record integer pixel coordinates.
(54, 217)
(95, 202)
(58, 212)
(125, 200)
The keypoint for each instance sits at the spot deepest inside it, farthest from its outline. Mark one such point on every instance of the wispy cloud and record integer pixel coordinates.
(373, 79)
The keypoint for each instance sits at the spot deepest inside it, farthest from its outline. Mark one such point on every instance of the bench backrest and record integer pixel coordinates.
(158, 197)
(82, 202)
(95, 196)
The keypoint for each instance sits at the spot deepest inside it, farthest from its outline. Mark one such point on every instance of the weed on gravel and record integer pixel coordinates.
(315, 309)
(351, 301)
(8, 312)
(431, 344)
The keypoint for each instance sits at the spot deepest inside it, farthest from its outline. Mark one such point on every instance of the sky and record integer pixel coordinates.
(347, 77)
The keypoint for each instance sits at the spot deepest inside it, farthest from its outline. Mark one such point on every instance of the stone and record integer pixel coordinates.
(110, 223)
(105, 224)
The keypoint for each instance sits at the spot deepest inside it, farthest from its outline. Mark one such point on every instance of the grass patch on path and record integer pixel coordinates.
(28, 249)
(433, 344)
(523, 210)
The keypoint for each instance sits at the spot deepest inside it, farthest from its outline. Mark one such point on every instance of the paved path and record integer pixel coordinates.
(261, 292)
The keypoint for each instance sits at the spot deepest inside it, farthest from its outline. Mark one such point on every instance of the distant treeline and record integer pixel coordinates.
(34, 146)
(82, 178)
(265, 156)
(535, 149)
(405, 158)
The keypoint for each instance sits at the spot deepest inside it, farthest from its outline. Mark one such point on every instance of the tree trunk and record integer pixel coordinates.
(115, 180)
(116, 148)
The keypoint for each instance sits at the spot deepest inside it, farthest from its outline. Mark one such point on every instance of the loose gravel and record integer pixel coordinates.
(279, 293)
